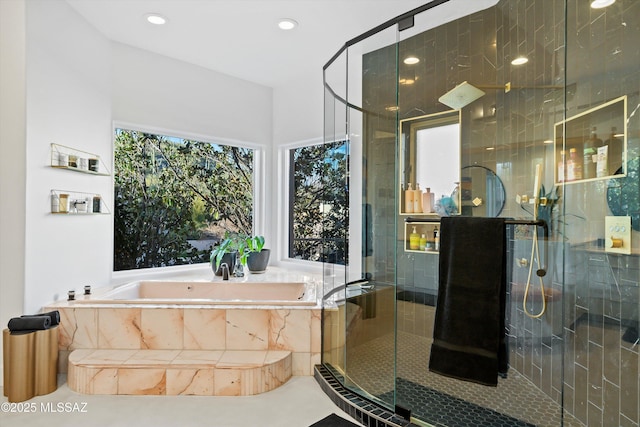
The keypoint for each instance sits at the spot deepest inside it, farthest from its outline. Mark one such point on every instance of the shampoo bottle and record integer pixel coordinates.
(408, 199)
(427, 201)
(414, 240)
(574, 166)
(423, 242)
(417, 199)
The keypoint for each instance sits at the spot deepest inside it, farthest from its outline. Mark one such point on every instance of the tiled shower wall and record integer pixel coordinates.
(575, 352)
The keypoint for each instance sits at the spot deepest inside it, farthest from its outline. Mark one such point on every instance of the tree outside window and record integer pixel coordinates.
(175, 198)
(319, 202)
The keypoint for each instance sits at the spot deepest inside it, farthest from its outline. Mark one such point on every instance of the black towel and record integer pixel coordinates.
(53, 315)
(29, 324)
(469, 334)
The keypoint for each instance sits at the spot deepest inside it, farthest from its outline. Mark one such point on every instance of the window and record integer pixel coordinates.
(175, 198)
(318, 202)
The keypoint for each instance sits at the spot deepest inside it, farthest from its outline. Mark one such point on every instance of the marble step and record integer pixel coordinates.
(178, 372)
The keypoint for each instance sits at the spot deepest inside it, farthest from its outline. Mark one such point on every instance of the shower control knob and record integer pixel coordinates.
(614, 242)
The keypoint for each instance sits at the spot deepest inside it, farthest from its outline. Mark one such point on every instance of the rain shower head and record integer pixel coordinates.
(461, 96)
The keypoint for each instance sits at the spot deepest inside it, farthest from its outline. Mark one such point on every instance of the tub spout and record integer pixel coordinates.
(225, 271)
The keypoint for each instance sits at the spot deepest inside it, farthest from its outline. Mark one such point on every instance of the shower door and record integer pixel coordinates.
(544, 74)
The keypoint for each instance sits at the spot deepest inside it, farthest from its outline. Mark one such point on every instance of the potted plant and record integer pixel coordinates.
(254, 255)
(226, 252)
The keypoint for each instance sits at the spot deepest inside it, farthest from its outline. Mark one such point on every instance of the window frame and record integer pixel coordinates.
(284, 203)
(259, 188)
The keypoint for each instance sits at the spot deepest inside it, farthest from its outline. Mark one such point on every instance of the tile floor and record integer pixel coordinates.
(298, 403)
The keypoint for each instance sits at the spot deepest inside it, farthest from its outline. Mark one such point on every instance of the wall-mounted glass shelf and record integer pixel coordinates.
(77, 203)
(63, 157)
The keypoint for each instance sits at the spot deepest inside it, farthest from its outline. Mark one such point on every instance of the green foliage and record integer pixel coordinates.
(320, 202)
(168, 190)
(250, 244)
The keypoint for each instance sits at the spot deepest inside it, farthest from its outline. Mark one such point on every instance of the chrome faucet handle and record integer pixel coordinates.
(224, 268)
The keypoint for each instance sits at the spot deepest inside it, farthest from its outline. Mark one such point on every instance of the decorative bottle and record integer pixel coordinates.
(590, 151)
(414, 239)
(408, 199)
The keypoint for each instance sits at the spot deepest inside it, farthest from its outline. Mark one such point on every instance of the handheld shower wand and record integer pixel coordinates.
(535, 251)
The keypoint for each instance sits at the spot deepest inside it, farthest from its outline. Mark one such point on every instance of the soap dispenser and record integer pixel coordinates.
(414, 239)
(436, 239)
(408, 199)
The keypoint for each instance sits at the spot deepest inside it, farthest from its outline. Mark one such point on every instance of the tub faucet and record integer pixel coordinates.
(225, 271)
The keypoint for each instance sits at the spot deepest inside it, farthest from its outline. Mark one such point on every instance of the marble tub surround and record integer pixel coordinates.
(193, 328)
(99, 325)
(178, 372)
(181, 346)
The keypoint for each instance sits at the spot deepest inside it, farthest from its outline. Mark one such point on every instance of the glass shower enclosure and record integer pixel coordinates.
(492, 108)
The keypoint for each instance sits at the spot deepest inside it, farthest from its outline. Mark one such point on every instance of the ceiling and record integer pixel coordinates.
(241, 37)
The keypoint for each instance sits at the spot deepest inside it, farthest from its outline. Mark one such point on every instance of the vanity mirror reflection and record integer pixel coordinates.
(430, 164)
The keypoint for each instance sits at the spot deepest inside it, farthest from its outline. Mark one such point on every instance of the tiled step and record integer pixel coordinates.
(178, 372)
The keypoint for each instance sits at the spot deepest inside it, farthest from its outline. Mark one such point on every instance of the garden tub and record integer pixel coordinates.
(209, 293)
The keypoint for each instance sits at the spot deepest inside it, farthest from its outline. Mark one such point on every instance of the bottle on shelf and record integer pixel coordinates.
(574, 166)
(615, 152)
(423, 242)
(417, 199)
(414, 239)
(427, 201)
(562, 175)
(590, 151)
(436, 239)
(408, 199)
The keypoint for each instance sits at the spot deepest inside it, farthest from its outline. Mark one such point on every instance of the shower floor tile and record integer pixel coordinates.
(440, 409)
(372, 369)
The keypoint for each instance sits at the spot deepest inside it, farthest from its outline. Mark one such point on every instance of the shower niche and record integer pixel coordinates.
(592, 145)
(430, 164)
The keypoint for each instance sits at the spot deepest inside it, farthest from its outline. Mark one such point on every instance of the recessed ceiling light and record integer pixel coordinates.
(599, 4)
(156, 19)
(410, 60)
(287, 24)
(520, 60)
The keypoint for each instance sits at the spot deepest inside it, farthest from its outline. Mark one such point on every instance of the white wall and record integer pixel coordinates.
(297, 120)
(69, 103)
(157, 91)
(12, 159)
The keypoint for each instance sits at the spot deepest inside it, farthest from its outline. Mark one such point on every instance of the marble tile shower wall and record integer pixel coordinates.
(601, 291)
(593, 297)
